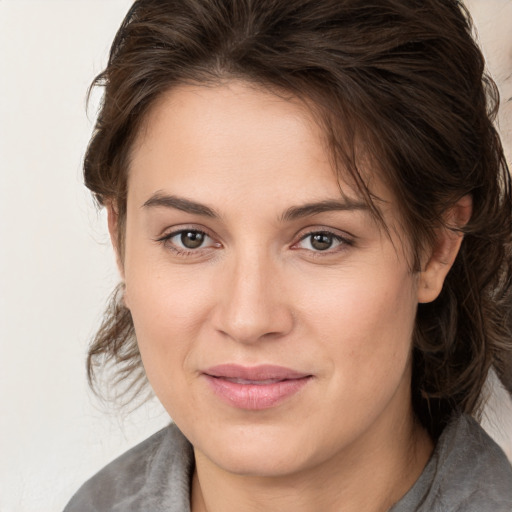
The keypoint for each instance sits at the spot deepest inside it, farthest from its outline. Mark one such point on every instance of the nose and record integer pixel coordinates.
(252, 304)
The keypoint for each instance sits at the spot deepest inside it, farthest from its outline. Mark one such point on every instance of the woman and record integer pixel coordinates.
(311, 213)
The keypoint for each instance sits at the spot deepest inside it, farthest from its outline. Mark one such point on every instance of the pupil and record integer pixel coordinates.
(192, 239)
(321, 242)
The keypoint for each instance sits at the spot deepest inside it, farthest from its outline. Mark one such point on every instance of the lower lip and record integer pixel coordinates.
(255, 397)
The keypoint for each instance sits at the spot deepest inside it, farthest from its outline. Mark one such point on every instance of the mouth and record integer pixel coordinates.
(255, 388)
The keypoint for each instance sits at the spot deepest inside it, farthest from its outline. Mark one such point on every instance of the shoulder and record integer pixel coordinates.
(468, 472)
(474, 472)
(155, 473)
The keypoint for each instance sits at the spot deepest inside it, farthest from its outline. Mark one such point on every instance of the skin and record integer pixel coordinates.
(257, 291)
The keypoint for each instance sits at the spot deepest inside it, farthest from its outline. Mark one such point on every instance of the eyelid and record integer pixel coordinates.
(345, 239)
(170, 233)
(311, 230)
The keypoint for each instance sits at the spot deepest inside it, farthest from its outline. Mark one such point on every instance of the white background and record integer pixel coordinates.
(56, 265)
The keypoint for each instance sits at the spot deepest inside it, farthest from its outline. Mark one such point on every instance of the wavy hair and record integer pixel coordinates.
(402, 79)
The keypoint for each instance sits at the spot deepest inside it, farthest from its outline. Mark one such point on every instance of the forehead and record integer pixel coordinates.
(225, 122)
(237, 133)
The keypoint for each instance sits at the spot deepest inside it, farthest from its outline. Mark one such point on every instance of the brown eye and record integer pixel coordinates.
(187, 241)
(192, 239)
(321, 241)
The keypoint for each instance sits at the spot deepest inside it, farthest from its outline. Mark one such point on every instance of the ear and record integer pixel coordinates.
(444, 250)
(113, 229)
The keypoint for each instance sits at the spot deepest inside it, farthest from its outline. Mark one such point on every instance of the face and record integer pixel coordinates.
(273, 315)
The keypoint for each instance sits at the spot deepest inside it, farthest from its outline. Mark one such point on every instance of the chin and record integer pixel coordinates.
(268, 451)
(259, 463)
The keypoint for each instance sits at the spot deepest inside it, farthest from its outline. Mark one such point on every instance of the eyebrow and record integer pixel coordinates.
(160, 200)
(297, 212)
(179, 203)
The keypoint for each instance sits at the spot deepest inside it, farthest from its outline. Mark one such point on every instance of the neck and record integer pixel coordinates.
(370, 476)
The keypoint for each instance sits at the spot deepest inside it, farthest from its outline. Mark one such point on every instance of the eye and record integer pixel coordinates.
(187, 240)
(320, 241)
(190, 239)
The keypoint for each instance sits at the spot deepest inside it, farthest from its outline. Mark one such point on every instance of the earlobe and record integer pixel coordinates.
(113, 229)
(444, 251)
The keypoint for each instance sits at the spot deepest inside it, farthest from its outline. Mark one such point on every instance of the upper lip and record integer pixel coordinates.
(254, 373)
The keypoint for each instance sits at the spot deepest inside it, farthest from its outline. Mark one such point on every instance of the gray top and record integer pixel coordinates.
(467, 472)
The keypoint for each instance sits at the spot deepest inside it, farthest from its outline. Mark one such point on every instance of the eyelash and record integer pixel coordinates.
(180, 251)
(343, 242)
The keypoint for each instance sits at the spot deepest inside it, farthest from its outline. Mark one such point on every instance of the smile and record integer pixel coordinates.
(254, 388)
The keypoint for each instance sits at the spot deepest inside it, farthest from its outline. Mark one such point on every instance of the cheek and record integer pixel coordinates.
(168, 314)
(169, 307)
(162, 307)
(365, 323)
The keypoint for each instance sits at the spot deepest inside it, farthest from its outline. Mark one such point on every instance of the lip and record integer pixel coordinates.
(256, 387)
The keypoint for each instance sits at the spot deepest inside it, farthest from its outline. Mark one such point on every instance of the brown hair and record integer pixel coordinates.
(401, 78)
